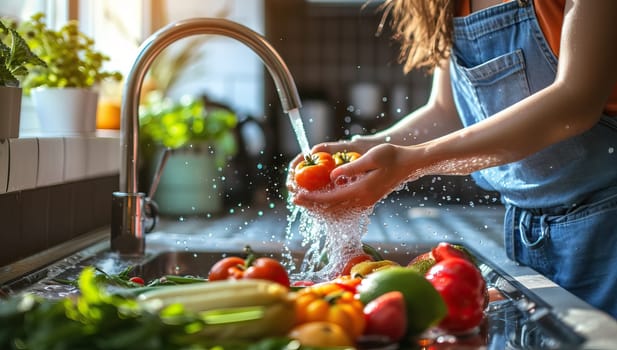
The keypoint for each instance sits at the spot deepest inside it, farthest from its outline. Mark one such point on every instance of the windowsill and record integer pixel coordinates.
(32, 160)
(38, 159)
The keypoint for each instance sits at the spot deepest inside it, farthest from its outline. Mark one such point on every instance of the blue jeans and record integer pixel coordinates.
(574, 247)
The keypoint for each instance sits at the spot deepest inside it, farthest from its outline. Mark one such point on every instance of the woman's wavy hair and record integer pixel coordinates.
(423, 28)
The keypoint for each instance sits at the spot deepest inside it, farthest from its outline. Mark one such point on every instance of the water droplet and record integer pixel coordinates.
(611, 150)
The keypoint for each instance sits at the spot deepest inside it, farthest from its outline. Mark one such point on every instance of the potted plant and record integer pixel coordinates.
(15, 58)
(200, 137)
(73, 69)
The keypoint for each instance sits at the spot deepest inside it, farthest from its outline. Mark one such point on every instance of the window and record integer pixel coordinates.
(229, 72)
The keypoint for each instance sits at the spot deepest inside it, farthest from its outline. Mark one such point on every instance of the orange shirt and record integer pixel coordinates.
(550, 18)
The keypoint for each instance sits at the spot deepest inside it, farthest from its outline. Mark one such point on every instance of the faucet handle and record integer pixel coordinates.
(159, 172)
(151, 214)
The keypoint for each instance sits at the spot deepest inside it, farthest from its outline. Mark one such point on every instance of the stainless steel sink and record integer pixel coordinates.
(191, 263)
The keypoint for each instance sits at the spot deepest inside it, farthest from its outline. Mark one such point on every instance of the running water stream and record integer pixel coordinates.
(330, 240)
(298, 127)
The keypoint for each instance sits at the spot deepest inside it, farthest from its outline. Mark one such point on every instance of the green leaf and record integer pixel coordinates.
(21, 53)
(6, 77)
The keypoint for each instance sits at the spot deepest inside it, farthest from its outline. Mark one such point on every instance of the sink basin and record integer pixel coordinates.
(198, 263)
(191, 263)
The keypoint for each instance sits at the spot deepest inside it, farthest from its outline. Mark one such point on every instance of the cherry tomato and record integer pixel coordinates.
(341, 158)
(313, 173)
(137, 279)
(250, 268)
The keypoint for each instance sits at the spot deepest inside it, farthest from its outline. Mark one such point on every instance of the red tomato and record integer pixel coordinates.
(267, 269)
(353, 261)
(261, 268)
(313, 173)
(230, 267)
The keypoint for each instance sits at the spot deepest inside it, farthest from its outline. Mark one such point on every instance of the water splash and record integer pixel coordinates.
(329, 241)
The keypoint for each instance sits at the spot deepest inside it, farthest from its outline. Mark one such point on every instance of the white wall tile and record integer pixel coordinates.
(4, 165)
(23, 163)
(75, 158)
(51, 161)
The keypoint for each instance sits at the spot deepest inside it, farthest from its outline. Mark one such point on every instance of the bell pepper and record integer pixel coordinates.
(331, 302)
(463, 289)
(365, 268)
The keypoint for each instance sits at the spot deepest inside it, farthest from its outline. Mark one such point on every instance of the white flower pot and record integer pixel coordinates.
(10, 110)
(66, 110)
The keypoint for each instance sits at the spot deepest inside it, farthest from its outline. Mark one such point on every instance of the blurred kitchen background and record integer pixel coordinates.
(347, 75)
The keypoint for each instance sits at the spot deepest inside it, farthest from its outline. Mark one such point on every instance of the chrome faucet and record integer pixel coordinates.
(129, 206)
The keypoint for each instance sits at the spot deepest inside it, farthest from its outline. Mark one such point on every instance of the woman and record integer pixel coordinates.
(524, 99)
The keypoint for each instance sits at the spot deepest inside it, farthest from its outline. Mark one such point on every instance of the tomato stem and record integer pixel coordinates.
(250, 258)
(309, 159)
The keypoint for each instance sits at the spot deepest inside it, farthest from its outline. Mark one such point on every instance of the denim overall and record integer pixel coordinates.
(561, 202)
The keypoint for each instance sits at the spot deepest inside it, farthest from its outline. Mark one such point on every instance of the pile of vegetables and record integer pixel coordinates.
(239, 308)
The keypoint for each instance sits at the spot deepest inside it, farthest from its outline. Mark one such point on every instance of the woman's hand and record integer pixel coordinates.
(363, 182)
(357, 144)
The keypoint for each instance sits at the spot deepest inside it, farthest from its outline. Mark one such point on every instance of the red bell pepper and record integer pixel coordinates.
(462, 287)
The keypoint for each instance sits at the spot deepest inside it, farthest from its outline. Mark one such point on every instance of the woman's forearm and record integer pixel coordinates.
(548, 117)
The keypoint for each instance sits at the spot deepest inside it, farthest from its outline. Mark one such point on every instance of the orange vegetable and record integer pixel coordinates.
(331, 302)
(313, 173)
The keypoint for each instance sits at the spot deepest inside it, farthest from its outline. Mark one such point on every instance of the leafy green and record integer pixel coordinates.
(15, 55)
(70, 56)
(175, 124)
(97, 319)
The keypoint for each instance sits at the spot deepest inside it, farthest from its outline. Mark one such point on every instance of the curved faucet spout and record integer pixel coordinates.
(127, 234)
